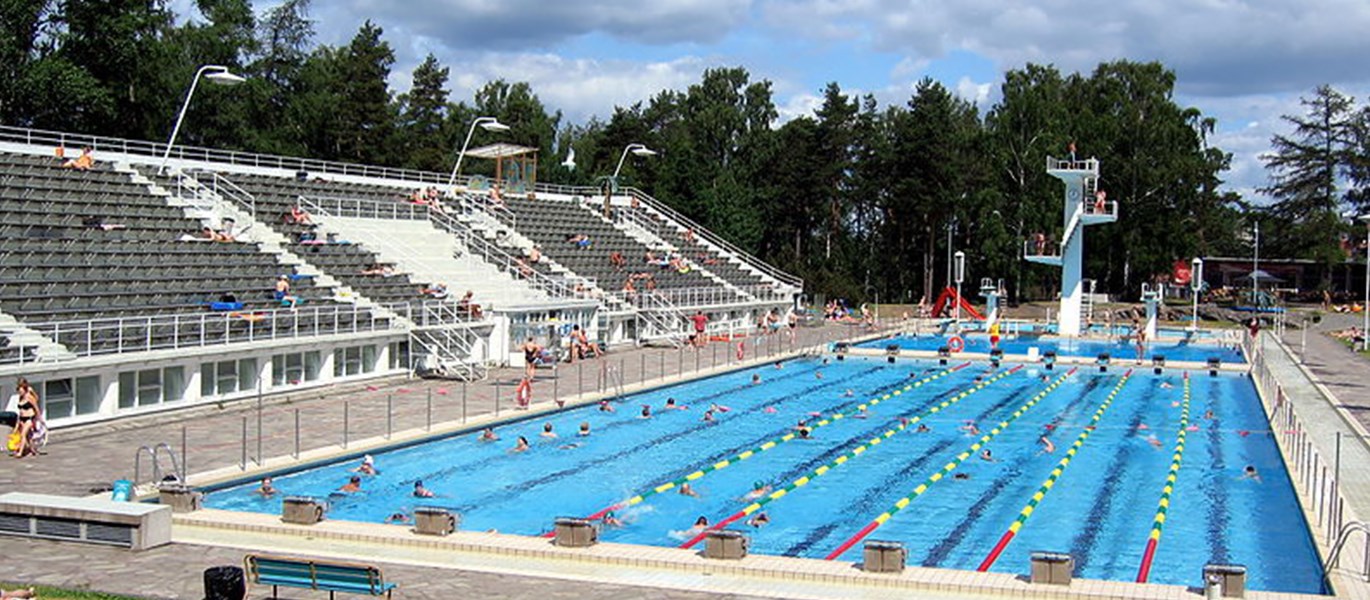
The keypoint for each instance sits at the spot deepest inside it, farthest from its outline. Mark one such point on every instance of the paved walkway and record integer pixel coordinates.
(83, 459)
(1344, 373)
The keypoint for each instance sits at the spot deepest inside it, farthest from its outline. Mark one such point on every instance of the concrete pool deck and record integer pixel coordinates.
(492, 565)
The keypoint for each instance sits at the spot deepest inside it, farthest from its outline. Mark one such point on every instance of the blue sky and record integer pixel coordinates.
(1245, 62)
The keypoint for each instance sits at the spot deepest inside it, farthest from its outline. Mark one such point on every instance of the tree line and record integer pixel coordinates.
(860, 199)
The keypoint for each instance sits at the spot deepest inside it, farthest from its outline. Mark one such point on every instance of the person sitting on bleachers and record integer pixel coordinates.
(652, 259)
(282, 293)
(578, 240)
(535, 255)
(496, 198)
(98, 222)
(469, 307)
(678, 264)
(85, 162)
(522, 265)
(228, 231)
(629, 291)
(379, 269)
(616, 259)
(436, 291)
(297, 216)
(688, 236)
(705, 258)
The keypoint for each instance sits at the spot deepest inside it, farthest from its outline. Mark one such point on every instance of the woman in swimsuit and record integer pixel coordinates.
(29, 414)
(530, 357)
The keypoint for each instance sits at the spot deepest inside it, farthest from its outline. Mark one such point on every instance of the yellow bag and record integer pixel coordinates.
(13, 443)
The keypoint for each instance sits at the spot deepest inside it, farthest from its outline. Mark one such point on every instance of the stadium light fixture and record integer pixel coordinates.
(216, 74)
(486, 123)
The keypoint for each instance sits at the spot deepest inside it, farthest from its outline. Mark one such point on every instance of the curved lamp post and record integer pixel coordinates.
(637, 150)
(486, 123)
(215, 74)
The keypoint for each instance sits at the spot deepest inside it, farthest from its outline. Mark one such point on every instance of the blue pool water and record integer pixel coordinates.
(1100, 510)
(1119, 349)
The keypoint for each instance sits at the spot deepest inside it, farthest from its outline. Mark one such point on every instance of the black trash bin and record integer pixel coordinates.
(225, 583)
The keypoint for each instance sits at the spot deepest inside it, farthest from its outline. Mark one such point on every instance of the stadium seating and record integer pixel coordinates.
(82, 245)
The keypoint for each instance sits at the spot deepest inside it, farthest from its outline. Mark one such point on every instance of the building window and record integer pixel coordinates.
(228, 377)
(151, 386)
(354, 360)
(399, 356)
(66, 398)
(295, 367)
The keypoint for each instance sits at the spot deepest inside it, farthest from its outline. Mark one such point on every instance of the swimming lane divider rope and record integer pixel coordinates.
(947, 468)
(839, 461)
(723, 464)
(1144, 571)
(1051, 479)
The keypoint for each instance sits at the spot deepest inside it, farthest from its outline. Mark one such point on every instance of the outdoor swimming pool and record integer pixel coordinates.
(1119, 349)
(826, 490)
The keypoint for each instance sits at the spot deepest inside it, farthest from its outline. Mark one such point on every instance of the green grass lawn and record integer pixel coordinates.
(51, 593)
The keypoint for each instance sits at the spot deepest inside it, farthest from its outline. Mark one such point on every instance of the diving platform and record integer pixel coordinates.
(1085, 204)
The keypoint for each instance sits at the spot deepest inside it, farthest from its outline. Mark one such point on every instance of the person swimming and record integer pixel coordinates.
(759, 520)
(756, 378)
(611, 520)
(686, 490)
(759, 489)
(521, 445)
(353, 485)
(986, 455)
(1250, 473)
(671, 405)
(604, 406)
(266, 490)
(923, 428)
(646, 412)
(547, 431)
(488, 435)
(397, 517)
(849, 393)
(420, 491)
(805, 433)
(818, 374)
(701, 524)
(1047, 446)
(584, 429)
(708, 416)
(368, 466)
(961, 476)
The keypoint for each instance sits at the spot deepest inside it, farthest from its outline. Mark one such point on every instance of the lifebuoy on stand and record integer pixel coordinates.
(741, 349)
(956, 344)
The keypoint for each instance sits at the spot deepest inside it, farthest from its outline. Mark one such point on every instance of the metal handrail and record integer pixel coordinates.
(492, 253)
(193, 330)
(1343, 536)
(364, 208)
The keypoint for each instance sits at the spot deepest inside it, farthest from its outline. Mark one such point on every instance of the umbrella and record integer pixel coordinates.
(1261, 275)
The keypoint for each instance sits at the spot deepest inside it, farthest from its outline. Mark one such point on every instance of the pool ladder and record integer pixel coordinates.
(153, 452)
(613, 380)
(1344, 536)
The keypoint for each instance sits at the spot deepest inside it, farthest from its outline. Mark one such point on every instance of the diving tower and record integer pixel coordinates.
(1085, 204)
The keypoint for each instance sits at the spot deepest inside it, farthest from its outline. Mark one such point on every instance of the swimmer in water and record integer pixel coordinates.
(1250, 473)
(961, 476)
(488, 435)
(708, 416)
(353, 485)
(1165, 385)
(759, 489)
(848, 393)
(584, 429)
(646, 412)
(759, 520)
(701, 524)
(420, 491)
(686, 490)
(266, 490)
(861, 413)
(368, 466)
(818, 374)
(547, 431)
(671, 405)
(970, 429)
(985, 455)
(521, 445)
(804, 433)
(1208, 415)
(604, 406)
(1047, 446)
(923, 428)
(397, 517)
(756, 378)
(778, 365)
(611, 520)
(1154, 441)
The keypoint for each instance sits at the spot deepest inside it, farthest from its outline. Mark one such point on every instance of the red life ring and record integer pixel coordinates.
(956, 344)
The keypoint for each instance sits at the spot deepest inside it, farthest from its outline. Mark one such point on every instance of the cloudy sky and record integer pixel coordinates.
(1244, 62)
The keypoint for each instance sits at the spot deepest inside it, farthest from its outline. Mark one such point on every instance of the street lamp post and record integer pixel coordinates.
(1256, 268)
(1196, 283)
(486, 123)
(960, 269)
(636, 150)
(215, 74)
(1365, 307)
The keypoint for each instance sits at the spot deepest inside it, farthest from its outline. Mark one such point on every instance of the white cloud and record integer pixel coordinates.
(1218, 47)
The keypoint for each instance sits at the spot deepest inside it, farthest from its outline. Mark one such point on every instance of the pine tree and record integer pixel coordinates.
(422, 112)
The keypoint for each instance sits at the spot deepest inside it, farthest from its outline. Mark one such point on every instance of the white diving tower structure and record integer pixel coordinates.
(1085, 205)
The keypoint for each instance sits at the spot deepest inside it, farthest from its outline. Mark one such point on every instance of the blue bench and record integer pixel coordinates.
(312, 574)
